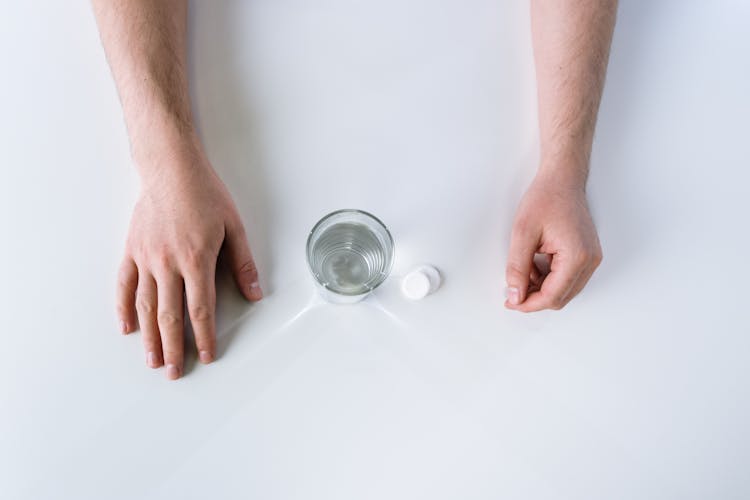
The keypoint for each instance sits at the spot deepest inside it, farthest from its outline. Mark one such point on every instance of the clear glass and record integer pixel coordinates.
(350, 253)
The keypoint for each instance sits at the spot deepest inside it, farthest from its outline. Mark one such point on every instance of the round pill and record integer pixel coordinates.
(420, 282)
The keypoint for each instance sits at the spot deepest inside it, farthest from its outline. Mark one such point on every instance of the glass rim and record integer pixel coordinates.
(379, 222)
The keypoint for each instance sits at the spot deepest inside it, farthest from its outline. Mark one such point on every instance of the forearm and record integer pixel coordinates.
(571, 47)
(145, 45)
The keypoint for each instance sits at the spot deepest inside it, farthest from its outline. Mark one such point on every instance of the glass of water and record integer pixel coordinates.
(350, 253)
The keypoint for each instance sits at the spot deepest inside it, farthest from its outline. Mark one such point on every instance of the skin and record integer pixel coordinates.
(571, 47)
(184, 217)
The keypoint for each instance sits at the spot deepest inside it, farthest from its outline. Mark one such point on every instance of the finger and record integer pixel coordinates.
(127, 284)
(242, 263)
(585, 276)
(523, 245)
(564, 273)
(542, 262)
(539, 270)
(145, 304)
(171, 321)
(578, 285)
(535, 277)
(200, 292)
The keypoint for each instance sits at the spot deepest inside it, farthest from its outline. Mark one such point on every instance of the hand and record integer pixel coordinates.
(552, 219)
(183, 218)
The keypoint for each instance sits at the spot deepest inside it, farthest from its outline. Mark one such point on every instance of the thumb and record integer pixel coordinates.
(523, 246)
(242, 264)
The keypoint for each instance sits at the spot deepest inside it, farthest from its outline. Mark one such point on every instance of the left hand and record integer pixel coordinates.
(553, 219)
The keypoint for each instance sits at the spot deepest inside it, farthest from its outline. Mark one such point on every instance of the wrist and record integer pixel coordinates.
(565, 160)
(565, 173)
(167, 149)
(157, 129)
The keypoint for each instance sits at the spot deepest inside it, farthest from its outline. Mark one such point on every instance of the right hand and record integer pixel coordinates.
(183, 218)
(553, 219)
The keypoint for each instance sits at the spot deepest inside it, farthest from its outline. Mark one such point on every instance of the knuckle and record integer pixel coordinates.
(582, 257)
(124, 279)
(521, 227)
(514, 270)
(169, 320)
(598, 256)
(140, 256)
(125, 286)
(161, 259)
(554, 301)
(173, 355)
(123, 311)
(205, 342)
(196, 259)
(248, 268)
(151, 342)
(163, 262)
(144, 304)
(201, 312)
(125, 293)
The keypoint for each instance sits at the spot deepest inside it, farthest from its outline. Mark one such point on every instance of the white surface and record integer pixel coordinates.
(639, 389)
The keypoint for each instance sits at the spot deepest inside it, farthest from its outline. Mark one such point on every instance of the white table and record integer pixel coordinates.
(639, 389)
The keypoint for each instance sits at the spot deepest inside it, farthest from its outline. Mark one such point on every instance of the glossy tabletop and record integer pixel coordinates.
(424, 114)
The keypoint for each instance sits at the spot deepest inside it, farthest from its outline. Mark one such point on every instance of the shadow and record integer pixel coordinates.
(302, 301)
(613, 192)
(228, 129)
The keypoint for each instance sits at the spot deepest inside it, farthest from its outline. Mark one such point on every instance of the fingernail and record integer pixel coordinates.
(173, 372)
(255, 292)
(512, 294)
(151, 359)
(205, 357)
(123, 326)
